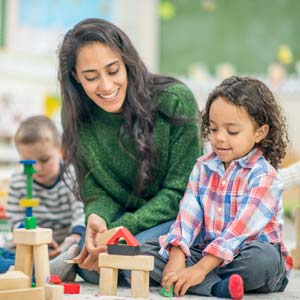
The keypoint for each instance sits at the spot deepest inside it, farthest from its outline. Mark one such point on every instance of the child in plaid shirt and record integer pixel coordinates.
(227, 238)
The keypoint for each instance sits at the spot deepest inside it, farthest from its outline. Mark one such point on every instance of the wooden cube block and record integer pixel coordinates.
(54, 292)
(32, 237)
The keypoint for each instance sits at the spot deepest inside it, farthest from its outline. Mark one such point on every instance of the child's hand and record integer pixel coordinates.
(183, 279)
(54, 249)
(175, 263)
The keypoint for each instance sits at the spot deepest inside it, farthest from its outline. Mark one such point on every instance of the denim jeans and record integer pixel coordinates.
(142, 237)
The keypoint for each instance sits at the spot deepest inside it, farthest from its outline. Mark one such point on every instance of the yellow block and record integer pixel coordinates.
(29, 202)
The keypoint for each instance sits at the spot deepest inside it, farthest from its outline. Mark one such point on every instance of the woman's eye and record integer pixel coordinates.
(212, 129)
(233, 132)
(113, 72)
(91, 79)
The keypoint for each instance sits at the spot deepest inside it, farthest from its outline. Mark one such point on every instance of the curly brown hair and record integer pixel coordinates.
(257, 99)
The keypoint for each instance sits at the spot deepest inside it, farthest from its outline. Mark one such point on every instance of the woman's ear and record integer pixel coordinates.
(261, 133)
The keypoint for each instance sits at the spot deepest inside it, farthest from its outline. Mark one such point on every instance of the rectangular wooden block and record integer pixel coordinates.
(137, 262)
(24, 259)
(108, 281)
(140, 284)
(23, 294)
(33, 236)
(14, 279)
(124, 250)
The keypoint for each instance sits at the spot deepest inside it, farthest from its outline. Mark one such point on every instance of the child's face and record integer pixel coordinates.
(47, 156)
(103, 76)
(232, 131)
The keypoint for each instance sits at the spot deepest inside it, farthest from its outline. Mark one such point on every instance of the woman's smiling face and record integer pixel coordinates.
(103, 76)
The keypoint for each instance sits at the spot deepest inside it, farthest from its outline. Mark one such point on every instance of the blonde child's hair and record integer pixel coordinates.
(37, 129)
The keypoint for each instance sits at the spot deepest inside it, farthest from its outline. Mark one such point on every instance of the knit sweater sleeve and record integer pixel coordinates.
(290, 175)
(184, 148)
(96, 199)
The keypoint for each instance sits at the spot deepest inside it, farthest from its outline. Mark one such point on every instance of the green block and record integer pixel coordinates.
(29, 170)
(30, 222)
(166, 293)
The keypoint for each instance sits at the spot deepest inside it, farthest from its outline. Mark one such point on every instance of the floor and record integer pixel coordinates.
(90, 292)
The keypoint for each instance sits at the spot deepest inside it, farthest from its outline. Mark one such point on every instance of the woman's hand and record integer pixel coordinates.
(95, 224)
(88, 257)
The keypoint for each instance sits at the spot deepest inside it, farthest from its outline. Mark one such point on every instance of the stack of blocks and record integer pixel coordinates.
(124, 257)
(31, 251)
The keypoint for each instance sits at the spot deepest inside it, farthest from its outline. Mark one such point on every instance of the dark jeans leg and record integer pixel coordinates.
(261, 266)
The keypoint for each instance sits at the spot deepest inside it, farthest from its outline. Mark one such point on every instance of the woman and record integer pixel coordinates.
(132, 136)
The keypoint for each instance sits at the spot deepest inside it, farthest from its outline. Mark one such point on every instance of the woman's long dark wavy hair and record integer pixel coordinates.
(138, 109)
(256, 98)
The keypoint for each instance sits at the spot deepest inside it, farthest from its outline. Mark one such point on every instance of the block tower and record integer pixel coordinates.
(31, 252)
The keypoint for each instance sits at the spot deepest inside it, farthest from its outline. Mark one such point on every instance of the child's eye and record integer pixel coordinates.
(43, 161)
(233, 132)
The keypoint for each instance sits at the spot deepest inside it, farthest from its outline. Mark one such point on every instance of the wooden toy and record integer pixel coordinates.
(103, 237)
(31, 251)
(24, 294)
(9, 280)
(166, 293)
(296, 251)
(29, 202)
(140, 265)
(71, 288)
(132, 246)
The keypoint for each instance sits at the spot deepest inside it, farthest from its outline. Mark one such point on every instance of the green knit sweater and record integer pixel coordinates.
(112, 173)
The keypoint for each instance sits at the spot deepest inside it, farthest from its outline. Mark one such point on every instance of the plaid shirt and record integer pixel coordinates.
(227, 208)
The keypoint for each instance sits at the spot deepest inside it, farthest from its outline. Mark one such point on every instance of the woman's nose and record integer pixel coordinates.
(106, 85)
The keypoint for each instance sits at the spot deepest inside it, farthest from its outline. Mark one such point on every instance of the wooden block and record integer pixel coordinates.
(139, 284)
(54, 292)
(23, 294)
(33, 236)
(108, 281)
(29, 202)
(102, 238)
(137, 262)
(70, 261)
(14, 279)
(296, 258)
(41, 264)
(24, 259)
(123, 250)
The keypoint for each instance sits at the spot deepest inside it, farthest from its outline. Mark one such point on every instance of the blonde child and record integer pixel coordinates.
(232, 203)
(37, 138)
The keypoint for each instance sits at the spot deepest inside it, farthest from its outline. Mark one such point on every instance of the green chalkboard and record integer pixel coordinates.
(246, 33)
